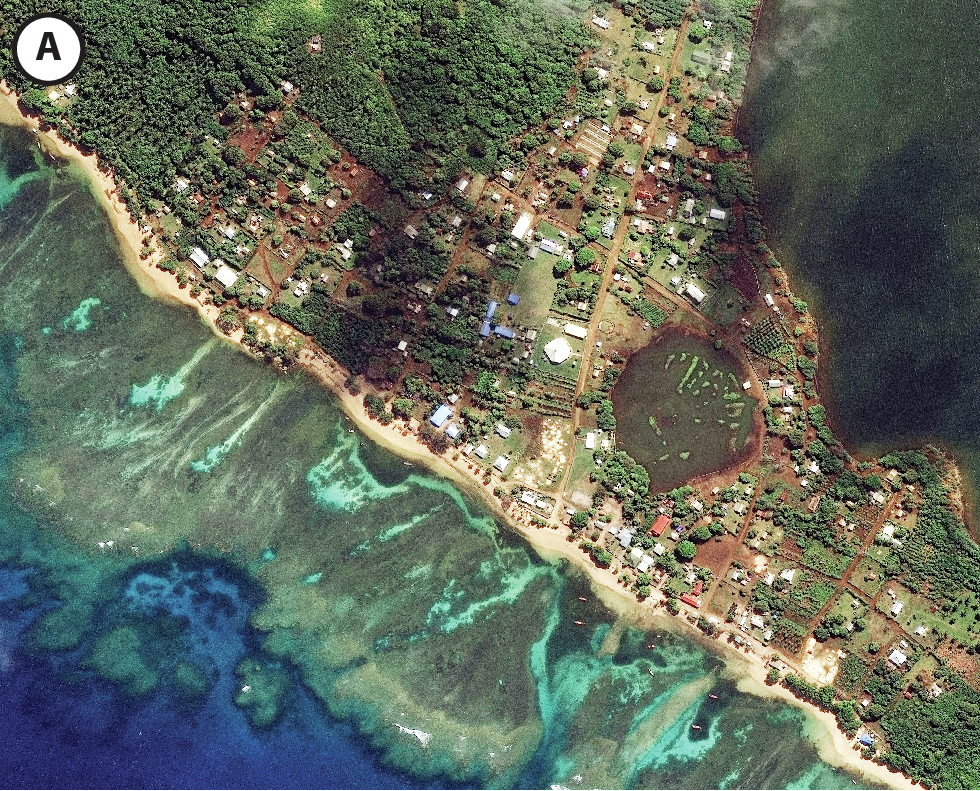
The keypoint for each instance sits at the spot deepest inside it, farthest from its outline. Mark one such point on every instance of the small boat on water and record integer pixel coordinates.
(408, 464)
(713, 697)
(582, 598)
(696, 727)
(651, 646)
(579, 623)
(650, 671)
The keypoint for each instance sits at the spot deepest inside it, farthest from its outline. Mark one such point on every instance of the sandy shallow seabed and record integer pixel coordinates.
(549, 542)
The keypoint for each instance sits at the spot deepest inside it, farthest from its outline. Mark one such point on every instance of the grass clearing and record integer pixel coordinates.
(535, 284)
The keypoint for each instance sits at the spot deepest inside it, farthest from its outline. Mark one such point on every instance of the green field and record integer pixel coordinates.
(535, 284)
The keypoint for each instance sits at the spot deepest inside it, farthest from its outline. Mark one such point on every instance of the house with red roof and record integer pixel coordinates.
(660, 525)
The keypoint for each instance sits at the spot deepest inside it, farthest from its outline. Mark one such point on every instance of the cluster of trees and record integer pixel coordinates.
(826, 698)
(605, 419)
(623, 477)
(457, 85)
(656, 13)
(936, 740)
(600, 555)
(399, 94)
(939, 557)
(447, 346)
(345, 336)
(835, 625)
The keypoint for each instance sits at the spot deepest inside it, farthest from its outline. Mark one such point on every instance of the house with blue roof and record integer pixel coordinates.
(491, 310)
(512, 298)
(441, 415)
(504, 332)
(485, 329)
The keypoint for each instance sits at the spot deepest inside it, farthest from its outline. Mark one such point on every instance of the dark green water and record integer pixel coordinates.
(680, 409)
(136, 446)
(864, 125)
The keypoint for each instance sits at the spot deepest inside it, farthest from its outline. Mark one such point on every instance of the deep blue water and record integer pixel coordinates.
(59, 730)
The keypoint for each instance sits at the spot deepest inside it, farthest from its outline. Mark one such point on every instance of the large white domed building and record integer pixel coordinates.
(558, 351)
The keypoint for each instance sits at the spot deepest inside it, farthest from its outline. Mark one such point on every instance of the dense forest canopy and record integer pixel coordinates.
(396, 83)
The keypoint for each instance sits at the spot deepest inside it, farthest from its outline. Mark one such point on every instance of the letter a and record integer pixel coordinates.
(48, 44)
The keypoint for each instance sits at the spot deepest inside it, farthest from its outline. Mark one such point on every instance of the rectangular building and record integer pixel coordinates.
(441, 415)
(523, 225)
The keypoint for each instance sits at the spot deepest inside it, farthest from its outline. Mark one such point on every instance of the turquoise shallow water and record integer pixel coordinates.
(197, 549)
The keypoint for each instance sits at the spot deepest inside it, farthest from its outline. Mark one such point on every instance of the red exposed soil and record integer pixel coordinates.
(744, 278)
(716, 555)
(251, 140)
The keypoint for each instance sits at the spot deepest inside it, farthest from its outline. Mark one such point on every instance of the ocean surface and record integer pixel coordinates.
(208, 579)
(863, 121)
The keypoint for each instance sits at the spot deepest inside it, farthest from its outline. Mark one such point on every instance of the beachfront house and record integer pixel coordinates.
(200, 258)
(226, 276)
(441, 415)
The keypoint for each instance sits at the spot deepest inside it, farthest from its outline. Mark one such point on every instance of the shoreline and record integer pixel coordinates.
(969, 484)
(548, 542)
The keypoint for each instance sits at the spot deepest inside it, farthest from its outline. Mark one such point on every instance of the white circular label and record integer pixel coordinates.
(48, 49)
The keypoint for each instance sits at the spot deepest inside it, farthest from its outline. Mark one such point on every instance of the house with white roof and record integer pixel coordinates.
(226, 276)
